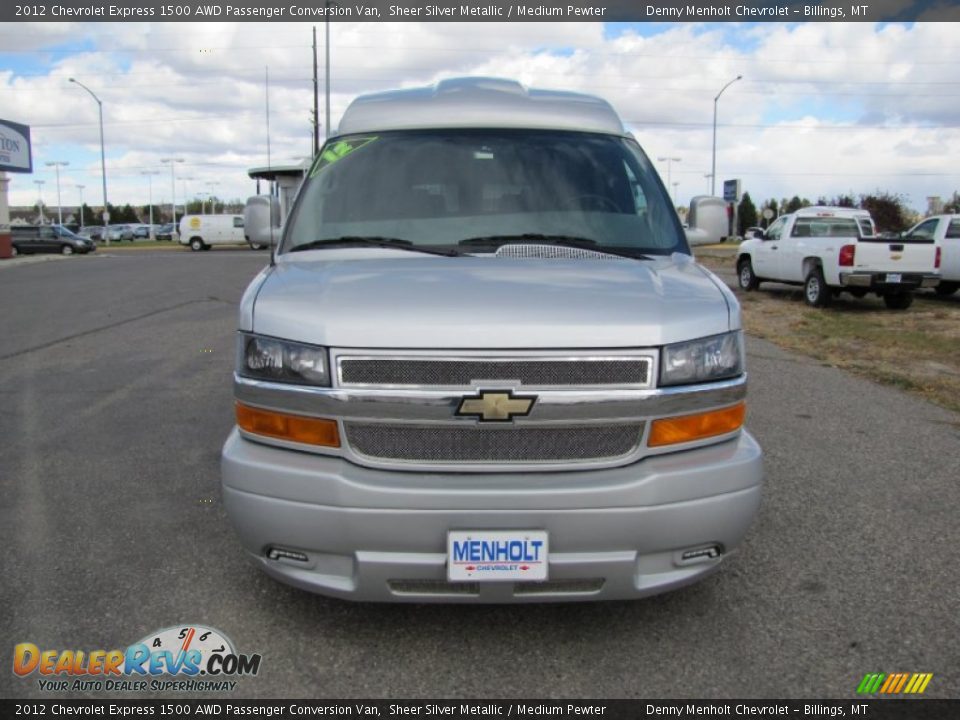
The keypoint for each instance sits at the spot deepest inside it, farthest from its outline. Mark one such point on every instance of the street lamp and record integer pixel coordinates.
(103, 160)
(669, 161)
(150, 174)
(57, 164)
(173, 189)
(713, 164)
(183, 179)
(212, 184)
(80, 188)
(675, 185)
(39, 184)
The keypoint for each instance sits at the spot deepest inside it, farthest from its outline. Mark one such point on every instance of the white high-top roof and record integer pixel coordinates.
(478, 102)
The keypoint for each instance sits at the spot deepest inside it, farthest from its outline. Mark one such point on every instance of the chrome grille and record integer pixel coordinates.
(464, 372)
(471, 444)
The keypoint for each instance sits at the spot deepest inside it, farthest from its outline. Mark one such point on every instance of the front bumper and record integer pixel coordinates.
(881, 282)
(380, 535)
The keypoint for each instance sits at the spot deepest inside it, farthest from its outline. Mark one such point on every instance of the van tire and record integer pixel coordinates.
(66, 250)
(196, 244)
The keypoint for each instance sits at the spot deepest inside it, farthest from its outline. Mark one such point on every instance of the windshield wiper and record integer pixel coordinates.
(573, 241)
(372, 241)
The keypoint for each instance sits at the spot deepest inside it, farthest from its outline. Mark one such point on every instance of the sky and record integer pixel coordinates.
(822, 109)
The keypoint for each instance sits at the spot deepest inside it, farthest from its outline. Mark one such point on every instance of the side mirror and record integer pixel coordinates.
(261, 220)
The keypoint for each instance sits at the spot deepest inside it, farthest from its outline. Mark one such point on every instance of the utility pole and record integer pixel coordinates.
(149, 174)
(316, 98)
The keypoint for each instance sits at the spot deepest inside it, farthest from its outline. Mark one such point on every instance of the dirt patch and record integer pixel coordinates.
(917, 349)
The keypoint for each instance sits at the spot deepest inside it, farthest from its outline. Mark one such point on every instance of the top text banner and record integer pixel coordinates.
(479, 11)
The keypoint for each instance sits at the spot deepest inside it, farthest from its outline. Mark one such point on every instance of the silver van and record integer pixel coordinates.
(484, 367)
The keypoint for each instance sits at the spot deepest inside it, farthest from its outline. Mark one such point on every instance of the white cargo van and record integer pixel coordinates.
(202, 231)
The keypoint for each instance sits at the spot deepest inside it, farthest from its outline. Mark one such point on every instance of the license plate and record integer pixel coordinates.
(490, 555)
(894, 277)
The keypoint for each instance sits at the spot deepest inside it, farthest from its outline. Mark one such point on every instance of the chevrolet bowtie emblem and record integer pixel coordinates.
(496, 405)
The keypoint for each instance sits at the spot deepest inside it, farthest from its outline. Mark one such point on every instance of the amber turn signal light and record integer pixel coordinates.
(686, 428)
(295, 428)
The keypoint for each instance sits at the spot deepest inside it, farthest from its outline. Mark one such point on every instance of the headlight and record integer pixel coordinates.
(266, 358)
(711, 358)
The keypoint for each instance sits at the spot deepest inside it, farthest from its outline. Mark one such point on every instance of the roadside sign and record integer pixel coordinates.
(731, 190)
(15, 154)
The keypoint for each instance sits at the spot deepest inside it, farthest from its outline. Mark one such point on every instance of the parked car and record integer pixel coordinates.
(116, 233)
(944, 232)
(94, 232)
(28, 239)
(141, 232)
(164, 232)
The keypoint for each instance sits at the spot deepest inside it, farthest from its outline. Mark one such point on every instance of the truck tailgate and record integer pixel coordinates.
(876, 255)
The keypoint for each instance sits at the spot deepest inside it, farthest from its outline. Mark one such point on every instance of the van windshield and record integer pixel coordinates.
(437, 189)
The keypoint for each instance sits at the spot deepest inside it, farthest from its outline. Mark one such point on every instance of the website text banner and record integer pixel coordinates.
(213, 707)
(479, 11)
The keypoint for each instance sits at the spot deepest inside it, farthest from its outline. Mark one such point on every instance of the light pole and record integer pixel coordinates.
(708, 176)
(39, 184)
(103, 160)
(150, 174)
(675, 185)
(57, 164)
(326, 47)
(211, 184)
(669, 161)
(173, 189)
(183, 179)
(713, 164)
(80, 188)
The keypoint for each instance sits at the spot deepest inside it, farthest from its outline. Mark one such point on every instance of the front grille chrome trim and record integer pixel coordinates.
(629, 370)
(531, 445)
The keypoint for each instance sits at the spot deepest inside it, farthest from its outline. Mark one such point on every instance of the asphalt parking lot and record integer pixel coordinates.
(115, 399)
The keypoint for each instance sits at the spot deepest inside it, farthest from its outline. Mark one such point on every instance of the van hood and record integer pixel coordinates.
(382, 298)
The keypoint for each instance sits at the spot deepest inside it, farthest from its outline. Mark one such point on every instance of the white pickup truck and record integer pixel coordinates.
(829, 250)
(944, 231)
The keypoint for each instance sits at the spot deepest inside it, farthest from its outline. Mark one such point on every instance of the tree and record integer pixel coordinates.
(746, 214)
(88, 216)
(145, 212)
(795, 204)
(888, 211)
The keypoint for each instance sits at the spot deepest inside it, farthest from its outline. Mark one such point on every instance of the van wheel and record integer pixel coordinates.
(66, 250)
(947, 288)
(898, 301)
(196, 244)
(745, 275)
(815, 290)
(257, 246)
(14, 251)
